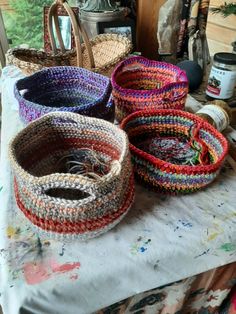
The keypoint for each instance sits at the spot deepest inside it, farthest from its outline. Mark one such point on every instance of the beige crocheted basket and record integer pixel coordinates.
(64, 203)
(99, 54)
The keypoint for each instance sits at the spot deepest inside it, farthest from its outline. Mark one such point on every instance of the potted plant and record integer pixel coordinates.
(225, 10)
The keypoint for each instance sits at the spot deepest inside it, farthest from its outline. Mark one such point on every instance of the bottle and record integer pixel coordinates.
(222, 78)
(217, 113)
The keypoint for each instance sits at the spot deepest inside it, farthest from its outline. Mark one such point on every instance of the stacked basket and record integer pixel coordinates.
(81, 202)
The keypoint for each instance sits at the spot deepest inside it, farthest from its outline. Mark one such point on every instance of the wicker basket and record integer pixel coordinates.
(72, 203)
(174, 151)
(99, 54)
(139, 83)
(70, 89)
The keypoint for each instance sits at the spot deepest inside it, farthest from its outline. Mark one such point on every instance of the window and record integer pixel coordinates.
(24, 21)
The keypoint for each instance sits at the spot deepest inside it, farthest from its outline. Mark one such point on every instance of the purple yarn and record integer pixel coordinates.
(71, 89)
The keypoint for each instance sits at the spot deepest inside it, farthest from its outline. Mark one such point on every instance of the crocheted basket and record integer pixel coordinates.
(139, 83)
(73, 175)
(70, 89)
(99, 54)
(174, 151)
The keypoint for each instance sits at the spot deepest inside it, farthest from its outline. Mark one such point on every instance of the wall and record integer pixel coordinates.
(221, 32)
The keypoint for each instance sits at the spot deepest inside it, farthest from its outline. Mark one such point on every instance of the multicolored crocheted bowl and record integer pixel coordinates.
(174, 151)
(139, 83)
(73, 175)
(71, 89)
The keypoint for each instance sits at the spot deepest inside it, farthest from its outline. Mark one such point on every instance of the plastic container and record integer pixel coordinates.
(222, 78)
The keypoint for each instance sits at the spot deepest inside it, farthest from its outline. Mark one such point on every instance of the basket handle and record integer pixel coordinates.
(77, 30)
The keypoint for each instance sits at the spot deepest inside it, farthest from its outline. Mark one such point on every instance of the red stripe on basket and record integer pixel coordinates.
(81, 226)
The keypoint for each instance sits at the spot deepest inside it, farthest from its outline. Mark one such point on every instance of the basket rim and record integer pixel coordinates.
(111, 175)
(102, 99)
(168, 167)
(165, 88)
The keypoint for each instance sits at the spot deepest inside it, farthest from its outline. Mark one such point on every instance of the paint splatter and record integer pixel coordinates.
(12, 232)
(1, 188)
(74, 277)
(228, 247)
(57, 268)
(183, 223)
(156, 265)
(186, 224)
(62, 250)
(39, 247)
(37, 272)
(204, 253)
(46, 243)
(214, 232)
(140, 246)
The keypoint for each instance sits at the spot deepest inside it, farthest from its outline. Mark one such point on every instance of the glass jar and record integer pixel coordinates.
(222, 78)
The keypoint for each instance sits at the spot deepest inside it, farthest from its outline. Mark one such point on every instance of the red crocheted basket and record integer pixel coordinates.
(139, 83)
(174, 151)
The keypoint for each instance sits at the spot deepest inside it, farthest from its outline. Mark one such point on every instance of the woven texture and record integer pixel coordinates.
(174, 151)
(139, 83)
(67, 205)
(70, 89)
(108, 50)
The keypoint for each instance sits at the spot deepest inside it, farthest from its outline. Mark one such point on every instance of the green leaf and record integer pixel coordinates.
(225, 10)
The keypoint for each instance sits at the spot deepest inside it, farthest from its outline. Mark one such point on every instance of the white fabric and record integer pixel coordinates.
(162, 239)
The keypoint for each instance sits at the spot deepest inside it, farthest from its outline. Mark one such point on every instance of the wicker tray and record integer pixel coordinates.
(99, 54)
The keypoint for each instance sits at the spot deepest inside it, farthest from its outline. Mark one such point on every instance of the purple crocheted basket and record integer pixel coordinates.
(139, 83)
(70, 89)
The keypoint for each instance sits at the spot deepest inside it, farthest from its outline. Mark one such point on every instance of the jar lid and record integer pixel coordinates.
(225, 57)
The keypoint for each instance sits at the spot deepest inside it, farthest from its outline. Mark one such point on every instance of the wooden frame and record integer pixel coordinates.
(124, 27)
(61, 12)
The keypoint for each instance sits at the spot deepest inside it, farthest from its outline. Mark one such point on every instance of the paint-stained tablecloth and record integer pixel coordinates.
(163, 239)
